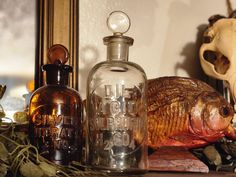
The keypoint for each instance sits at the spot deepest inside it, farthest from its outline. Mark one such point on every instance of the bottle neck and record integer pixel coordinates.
(117, 47)
(57, 78)
(117, 51)
(57, 74)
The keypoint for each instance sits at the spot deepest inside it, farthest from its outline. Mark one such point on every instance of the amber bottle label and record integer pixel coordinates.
(59, 127)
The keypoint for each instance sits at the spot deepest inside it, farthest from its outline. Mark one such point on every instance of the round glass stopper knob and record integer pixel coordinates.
(58, 54)
(118, 22)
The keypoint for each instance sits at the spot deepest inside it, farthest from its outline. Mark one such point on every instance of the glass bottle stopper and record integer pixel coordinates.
(118, 22)
(58, 54)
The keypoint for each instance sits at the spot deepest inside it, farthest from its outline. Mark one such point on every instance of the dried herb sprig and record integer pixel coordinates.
(25, 159)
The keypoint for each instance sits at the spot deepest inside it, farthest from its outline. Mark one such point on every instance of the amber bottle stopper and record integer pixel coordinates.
(57, 72)
(58, 54)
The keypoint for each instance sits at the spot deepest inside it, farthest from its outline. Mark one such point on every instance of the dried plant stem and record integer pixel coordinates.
(22, 154)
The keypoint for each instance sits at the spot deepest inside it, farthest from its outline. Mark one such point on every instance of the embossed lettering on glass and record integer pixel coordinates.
(56, 112)
(116, 106)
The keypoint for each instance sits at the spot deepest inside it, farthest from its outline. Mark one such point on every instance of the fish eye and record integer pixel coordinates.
(224, 111)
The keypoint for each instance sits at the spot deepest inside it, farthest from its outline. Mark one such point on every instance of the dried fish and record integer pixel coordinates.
(186, 112)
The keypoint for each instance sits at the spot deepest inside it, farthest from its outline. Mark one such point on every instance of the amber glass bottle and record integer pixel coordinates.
(56, 112)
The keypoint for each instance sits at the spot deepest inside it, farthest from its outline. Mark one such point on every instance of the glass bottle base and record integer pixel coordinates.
(120, 172)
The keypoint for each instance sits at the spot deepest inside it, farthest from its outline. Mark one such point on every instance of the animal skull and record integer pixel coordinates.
(218, 52)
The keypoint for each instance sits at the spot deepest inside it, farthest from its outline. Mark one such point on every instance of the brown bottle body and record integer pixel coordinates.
(56, 123)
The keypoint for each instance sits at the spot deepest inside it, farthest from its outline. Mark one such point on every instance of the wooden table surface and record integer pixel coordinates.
(210, 174)
(180, 174)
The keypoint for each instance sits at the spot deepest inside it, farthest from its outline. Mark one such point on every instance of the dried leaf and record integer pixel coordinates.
(3, 153)
(3, 169)
(29, 168)
(20, 117)
(48, 169)
(2, 90)
(212, 155)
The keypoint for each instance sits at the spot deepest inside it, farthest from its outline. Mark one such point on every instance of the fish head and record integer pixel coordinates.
(211, 115)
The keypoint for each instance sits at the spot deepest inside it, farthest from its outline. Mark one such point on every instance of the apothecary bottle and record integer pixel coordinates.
(116, 106)
(56, 112)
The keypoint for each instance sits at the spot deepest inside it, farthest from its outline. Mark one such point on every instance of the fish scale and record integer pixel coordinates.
(170, 121)
(170, 102)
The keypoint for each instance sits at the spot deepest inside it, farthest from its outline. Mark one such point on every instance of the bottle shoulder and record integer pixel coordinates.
(50, 92)
(119, 66)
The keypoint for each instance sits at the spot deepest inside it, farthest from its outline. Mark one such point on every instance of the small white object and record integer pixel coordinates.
(118, 22)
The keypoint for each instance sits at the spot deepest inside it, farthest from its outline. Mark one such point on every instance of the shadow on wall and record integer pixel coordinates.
(88, 56)
(143, 20)
(191, 57)
(181, 14)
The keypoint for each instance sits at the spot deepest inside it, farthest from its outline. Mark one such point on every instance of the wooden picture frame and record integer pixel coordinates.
(57, 23)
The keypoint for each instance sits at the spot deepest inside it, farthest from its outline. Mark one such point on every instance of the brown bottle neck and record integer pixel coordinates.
(57, 74)
(57, 78)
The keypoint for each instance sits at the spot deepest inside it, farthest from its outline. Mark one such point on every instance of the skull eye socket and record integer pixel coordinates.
(210, 56)
(220, 62)
(207, 39)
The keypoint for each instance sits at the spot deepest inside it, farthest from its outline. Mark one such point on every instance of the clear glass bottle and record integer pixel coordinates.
(116, 106)
(55, 112)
